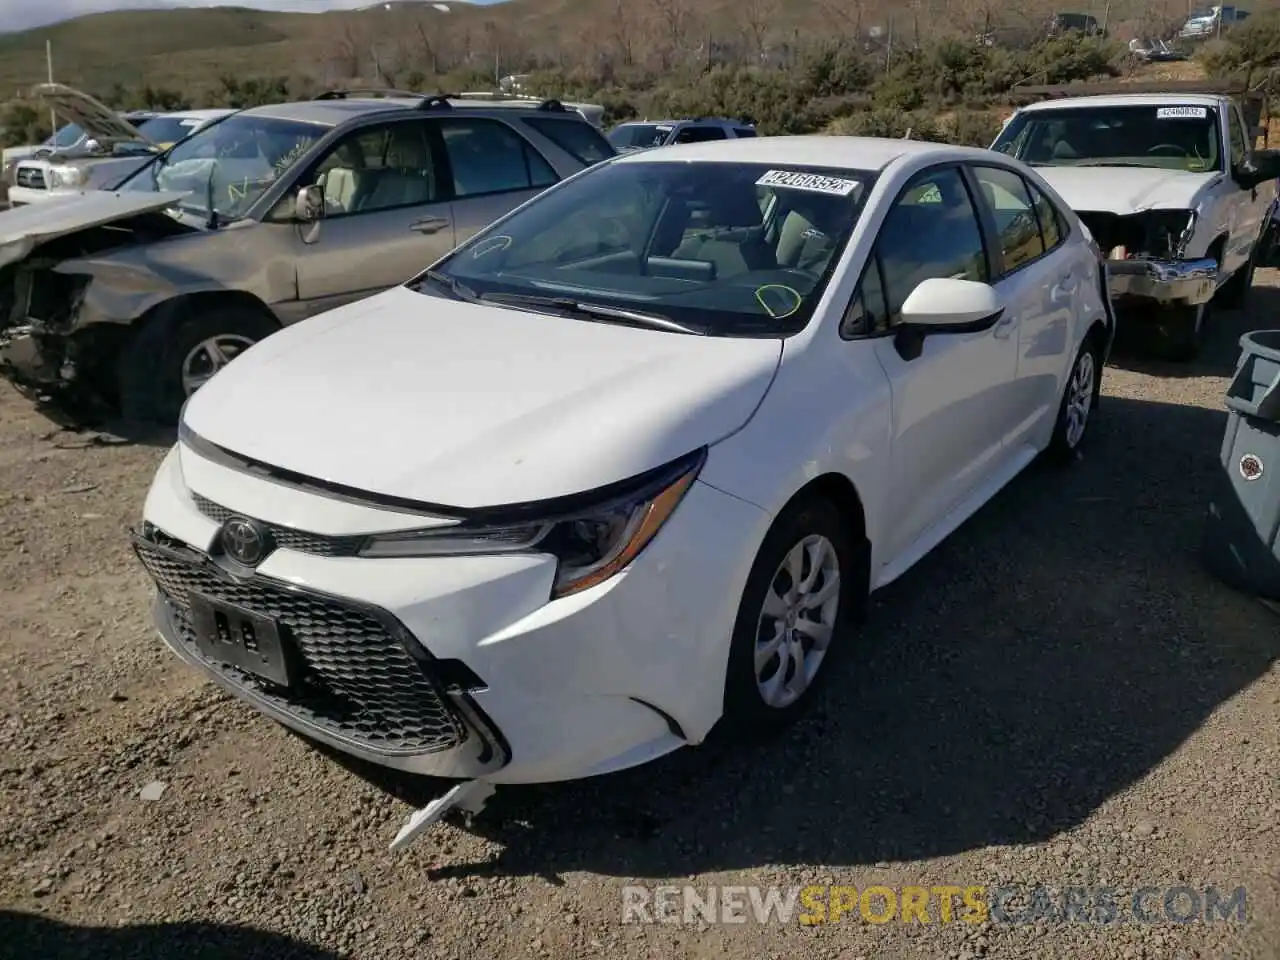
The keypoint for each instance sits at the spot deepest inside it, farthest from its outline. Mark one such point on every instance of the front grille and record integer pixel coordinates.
(30, 178)
(358, 680)
(287, 537)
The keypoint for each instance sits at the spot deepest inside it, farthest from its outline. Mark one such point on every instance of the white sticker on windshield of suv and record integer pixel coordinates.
(790, 179)
(1181, 113)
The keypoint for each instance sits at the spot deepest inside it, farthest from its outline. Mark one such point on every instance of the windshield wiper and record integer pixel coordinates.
(596, 311)
(1114, 163)
(459, 290)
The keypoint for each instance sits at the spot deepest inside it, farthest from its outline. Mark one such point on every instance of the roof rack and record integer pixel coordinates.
(366, 92)
(436, 101)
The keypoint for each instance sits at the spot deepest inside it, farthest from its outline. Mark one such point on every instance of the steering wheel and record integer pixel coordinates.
(1167, 147)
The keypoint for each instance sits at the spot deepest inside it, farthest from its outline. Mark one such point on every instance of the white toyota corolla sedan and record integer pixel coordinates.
(629, 462)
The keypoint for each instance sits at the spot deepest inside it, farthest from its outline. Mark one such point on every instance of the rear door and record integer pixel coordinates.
(388, 214)
(490, 167)
(1041, 290)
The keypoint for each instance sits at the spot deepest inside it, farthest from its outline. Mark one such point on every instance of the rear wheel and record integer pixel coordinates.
(1079, 400)
(168, 359)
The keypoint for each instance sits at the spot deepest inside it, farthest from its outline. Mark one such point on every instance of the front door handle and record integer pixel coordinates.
(429, 224)
(1004, 328)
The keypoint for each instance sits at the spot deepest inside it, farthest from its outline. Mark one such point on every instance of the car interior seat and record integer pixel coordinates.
(734, 237)
(407, 177)
(341, 175)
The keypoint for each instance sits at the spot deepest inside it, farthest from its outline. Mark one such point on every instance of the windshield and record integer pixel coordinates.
(66, 136)
(167, 130)
(1171, 137)
(235, 160)
(730, 249)
(633, 135)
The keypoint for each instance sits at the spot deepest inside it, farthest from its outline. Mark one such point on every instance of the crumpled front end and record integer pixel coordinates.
(1145, 258)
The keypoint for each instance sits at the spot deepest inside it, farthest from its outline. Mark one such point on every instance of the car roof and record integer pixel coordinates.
(331, 113)
(1128, 100)
(813, 150)
(686, 121)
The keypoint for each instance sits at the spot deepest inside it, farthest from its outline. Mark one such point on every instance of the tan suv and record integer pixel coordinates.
(131, 299)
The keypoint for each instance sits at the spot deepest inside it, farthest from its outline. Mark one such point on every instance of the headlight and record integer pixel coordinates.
(591, 542)
(67, 176)
(1168, 231)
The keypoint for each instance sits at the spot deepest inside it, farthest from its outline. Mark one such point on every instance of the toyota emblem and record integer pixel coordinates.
(1250, 467)
(244, 541)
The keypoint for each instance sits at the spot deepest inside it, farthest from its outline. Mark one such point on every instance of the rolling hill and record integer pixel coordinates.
(190, 48)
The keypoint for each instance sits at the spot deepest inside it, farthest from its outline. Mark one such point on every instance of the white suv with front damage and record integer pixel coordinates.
(1172, 190)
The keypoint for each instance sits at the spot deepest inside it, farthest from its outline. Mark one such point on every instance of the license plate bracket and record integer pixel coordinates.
(230, 634)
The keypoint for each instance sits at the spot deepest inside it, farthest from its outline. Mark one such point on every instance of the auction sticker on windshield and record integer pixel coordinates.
(1181, 113)
(790, 179)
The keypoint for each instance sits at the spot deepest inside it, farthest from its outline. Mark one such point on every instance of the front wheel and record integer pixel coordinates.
(168, 358)
(794, 618)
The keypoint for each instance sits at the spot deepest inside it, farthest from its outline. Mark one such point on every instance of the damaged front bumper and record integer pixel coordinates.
(27, 362)
(1163, 282)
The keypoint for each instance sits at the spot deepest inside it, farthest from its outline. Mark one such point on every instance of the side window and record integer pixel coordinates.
(487, 157)
(867, 313)
(575, 137)
(931, 231)
(1006, 194)
(378, 168)
(1238, 141)
(1051, 228)
(699, 134)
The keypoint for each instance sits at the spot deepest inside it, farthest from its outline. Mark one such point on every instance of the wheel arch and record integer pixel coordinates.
(840, 491)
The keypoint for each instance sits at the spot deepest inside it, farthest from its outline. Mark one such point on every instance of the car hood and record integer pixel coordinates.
(412, 396)
(23, 228)
(1125, 189)
(97, 120)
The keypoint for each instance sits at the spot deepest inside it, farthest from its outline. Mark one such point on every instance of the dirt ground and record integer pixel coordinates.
(1059, 695)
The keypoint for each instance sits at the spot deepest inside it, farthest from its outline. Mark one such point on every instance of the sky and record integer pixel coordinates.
(25, 14)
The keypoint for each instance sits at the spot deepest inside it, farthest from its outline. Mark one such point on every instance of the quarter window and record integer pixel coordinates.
(931, 231)
(867, 313)
(575, 137)
(1008, 197)
(487, 156)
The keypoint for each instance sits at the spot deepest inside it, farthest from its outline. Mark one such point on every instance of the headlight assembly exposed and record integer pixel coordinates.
(67, 176)
(591, 542)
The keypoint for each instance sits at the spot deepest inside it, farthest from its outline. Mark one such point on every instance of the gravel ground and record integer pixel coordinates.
(1059, 695)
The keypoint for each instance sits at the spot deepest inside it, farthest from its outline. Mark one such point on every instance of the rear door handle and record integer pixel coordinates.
(429, 224)
(1065, 287)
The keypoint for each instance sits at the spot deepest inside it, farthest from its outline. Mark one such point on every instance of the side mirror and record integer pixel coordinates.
(1265, 166)
(309, 205)
(943, 305)
(93, 146)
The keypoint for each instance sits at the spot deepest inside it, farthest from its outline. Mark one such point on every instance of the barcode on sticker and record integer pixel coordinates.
(1181, 113)
(790, 179)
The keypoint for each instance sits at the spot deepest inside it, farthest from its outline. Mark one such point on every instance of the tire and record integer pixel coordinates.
(153, 362)
(1235, 292)
(1079, 402)
(817, 523)
(1182, 331)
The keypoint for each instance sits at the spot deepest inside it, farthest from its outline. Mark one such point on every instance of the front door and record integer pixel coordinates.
(951, 408)
(388, 215)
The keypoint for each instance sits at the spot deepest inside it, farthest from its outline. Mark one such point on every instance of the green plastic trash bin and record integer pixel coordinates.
(1242, 532)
